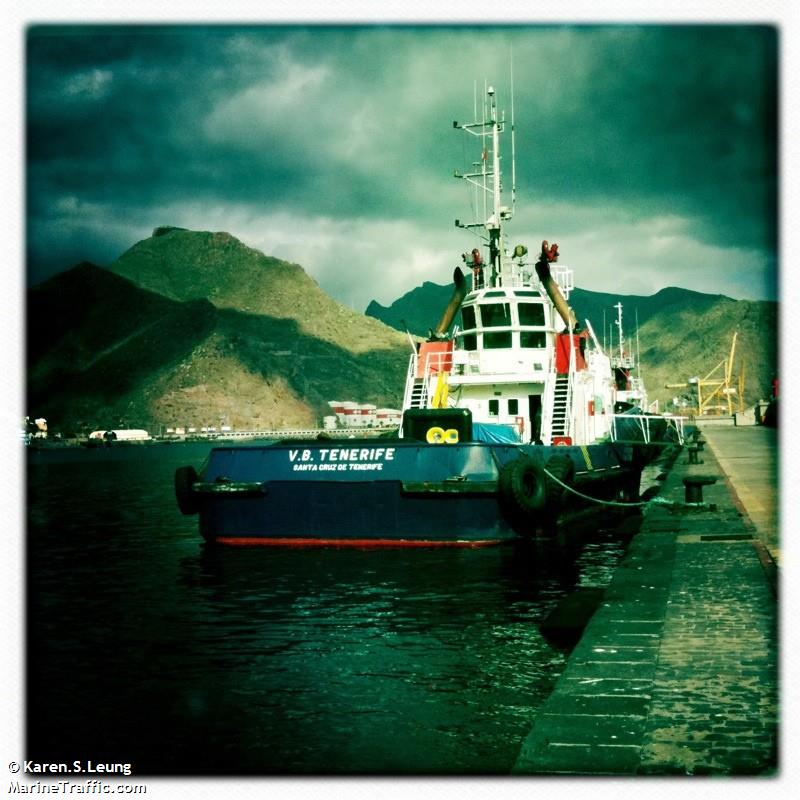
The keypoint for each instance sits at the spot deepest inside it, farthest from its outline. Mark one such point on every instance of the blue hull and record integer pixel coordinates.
(388, 492)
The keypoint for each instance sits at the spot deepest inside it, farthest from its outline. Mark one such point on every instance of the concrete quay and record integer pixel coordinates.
(677, 671)
(748, 457)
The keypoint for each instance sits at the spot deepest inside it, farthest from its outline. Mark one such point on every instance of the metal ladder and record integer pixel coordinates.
(561, 409)
(416, 392)
(419, 394)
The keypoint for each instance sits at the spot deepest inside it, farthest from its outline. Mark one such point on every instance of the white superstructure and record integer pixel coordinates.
(517, 359)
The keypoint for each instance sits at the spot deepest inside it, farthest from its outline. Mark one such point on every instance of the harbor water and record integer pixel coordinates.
(145, 646)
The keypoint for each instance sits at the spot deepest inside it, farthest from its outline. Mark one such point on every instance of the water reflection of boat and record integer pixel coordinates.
(510, 420)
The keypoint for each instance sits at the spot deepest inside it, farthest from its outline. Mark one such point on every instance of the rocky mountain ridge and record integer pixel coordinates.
(188, 265)
(193, 328)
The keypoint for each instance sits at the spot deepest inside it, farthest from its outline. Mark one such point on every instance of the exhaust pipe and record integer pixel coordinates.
(551, 287)
(459, 293)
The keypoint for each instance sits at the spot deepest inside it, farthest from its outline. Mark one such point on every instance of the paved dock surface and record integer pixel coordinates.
(748, 456)
(676, 672)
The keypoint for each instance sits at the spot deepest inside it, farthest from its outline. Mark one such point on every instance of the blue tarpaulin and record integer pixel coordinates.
(494, 433)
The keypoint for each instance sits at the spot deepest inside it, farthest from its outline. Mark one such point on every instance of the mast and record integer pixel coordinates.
(487, 178)
(638, 358)
(494, 227)
(513, 149)
(618, 306)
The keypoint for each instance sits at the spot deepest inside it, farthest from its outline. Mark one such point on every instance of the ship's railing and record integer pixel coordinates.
(523, 276)
(434, 364)
(564, 277)
(643, 423)
(623, 362)
(438, 362)
(410, 378)
(570, 385)
(297, 433)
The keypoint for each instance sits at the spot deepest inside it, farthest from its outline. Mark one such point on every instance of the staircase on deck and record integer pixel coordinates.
(419, 394)
(561, 407)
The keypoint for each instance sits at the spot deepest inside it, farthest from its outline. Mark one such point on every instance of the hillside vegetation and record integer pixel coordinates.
(106, 351)
(193, 265)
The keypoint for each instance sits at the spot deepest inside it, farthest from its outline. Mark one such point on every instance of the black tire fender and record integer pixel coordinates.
(562, 468)
(185, 478)
(521, 486)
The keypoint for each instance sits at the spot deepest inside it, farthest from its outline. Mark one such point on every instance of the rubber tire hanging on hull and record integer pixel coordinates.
(521, 493)
(563, 468)
(185, 477)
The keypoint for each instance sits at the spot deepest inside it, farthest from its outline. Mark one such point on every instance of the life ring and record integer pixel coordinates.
(185, 478)
(435, 435)
(521, 491)
(438, 435)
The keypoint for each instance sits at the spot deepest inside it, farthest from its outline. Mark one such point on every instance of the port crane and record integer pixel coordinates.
(715, 392)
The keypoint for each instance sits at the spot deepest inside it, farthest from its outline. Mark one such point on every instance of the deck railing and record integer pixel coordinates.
(523, 276)
(410, 377)
(643, 424)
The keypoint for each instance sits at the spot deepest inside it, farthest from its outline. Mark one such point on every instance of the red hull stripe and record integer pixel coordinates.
(287, 541)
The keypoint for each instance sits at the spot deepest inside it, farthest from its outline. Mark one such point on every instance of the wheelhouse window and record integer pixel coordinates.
(468, 318)
(469, 341)
(494, 408)
(531, 314)
(496, 315)
(496, 340)
(513, 407)
(532, 339)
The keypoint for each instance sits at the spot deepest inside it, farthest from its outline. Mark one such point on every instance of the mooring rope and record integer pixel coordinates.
(593, 499)
(652, 501)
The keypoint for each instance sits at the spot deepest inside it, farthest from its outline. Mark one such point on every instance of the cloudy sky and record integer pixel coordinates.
(648, 153)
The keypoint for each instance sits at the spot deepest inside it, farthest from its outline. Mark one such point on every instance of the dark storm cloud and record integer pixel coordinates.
(682, 118)
(126, 124)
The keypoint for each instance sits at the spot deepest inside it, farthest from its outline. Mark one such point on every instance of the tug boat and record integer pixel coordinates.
(513, 419)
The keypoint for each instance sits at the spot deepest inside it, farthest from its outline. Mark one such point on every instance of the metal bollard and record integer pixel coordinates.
(694, 486)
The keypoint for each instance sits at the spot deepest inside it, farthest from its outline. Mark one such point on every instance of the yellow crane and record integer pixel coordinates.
(714, 394)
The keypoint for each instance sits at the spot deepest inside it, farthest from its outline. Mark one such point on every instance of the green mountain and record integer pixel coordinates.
(105, 350)
(681, 342)
(682, 333)
(93, 339)
(420, 309)
(192, 265)
(194, 328)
